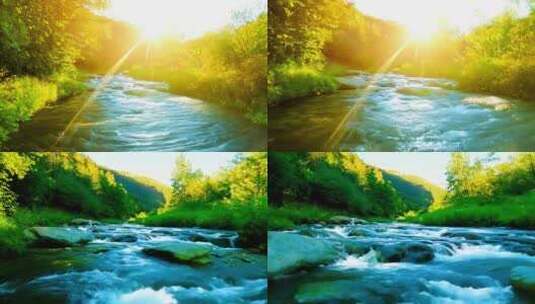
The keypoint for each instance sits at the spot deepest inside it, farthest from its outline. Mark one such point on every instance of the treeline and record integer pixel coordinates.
(308, 38)
(40, 42)
(67, 181)
(226, 67)
(342, 181)
(234, 198)
(483, 193)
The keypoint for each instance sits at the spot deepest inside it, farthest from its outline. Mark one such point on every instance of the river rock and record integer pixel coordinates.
(225, 242)
(61, 237)
(84, 222)
(289, 252)
(340, 291)
(408, 253)
(340, 220)
(126, 238)
(182, 252)
(523, 278)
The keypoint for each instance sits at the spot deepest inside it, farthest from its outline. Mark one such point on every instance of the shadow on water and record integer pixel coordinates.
(399, 113)
(133, 115)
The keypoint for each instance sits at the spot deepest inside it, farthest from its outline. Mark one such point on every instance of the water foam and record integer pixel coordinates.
(443, 292)
(146, 296)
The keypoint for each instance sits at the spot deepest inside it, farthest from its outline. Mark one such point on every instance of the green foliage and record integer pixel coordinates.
(290, 81)
(290, 215)
(417, 192)
(12, 166)
(502, 211)
(499, 58)
(340, 181)
(149, 193)
(74, 183)
(228, 67)
(36, 37)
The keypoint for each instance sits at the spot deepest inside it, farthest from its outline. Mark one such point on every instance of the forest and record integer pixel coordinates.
(483, 193)
(48, 49)
(48, 189)
(235, 198)
(310, 187)
(312, 42)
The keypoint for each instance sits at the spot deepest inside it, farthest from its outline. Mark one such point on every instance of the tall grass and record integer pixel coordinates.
(22, 97)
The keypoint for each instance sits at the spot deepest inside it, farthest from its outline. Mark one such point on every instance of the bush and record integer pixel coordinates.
(21, 97)
(290, 81)
(248, 219)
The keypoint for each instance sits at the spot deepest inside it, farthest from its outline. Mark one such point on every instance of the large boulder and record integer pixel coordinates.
(408, 253)
(523, 279)
(181, 252)
(462, 234)
(60, 237)
(288, 252)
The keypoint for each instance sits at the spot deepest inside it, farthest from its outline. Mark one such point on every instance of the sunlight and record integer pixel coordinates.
(423, 18)
(158, 18)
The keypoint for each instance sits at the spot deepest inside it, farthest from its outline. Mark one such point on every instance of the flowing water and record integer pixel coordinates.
(112, 269)
(468, 265)
(390, 112)
(133, 115)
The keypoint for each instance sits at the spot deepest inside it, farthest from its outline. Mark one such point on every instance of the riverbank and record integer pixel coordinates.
(13, 240)
(249, 221)
(23, 96)
(507, 211)
(126, 263)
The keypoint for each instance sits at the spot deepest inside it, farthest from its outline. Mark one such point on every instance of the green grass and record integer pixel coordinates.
(509, 211)
(292, 81)
(22, 97)
(250, 220)
(291, 215)
(12, 239)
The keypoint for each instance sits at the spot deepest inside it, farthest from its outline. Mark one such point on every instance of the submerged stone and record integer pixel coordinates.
(181, 252)
(328, 292)
(523, 278)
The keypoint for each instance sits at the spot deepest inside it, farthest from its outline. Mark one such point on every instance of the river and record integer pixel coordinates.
(133, 115)
(445, 265)
(391, 112)
(113, 269)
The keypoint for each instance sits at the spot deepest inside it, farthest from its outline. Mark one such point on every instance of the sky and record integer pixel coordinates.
(160, 166)
(463, 15)
(186, 18)
(430, 166)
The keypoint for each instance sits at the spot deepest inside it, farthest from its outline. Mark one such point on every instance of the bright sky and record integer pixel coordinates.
(160, 166)
(186, 18)
(422, 17)
(430, 166)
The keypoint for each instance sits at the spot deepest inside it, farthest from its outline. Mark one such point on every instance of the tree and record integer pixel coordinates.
(12, 166)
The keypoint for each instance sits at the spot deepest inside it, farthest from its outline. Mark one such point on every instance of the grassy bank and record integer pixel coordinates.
(292, 81)
(508, 211)
(13, 241)
(23, 96)
(290, 215)
(250, 221)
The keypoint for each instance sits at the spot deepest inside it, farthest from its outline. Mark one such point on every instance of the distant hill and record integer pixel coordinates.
(150, 193)
(417, 192)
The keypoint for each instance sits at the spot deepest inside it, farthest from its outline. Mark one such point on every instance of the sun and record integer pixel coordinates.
(421, 31)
